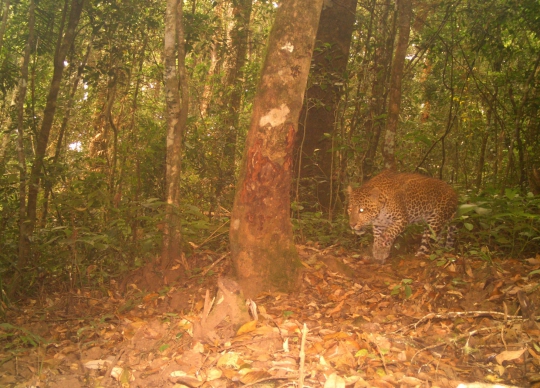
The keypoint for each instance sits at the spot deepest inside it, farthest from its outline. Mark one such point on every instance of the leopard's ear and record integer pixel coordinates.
(375, 194)
(349, 190)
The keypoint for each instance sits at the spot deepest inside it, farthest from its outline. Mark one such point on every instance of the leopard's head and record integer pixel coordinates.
(365, 204)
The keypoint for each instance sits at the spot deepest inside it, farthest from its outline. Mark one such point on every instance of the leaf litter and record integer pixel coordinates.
(413, 322)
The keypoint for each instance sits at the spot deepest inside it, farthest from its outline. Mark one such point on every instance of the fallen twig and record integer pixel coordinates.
(485, 385)
(453, 340)
(269, 379)
(213, 264)
(111, 367)
(455, 314)
(302, 356)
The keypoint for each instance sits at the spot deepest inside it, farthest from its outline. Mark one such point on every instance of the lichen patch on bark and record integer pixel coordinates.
(275, 117)
(288, 47)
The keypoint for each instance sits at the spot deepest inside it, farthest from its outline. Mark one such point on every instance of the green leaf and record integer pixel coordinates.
(408, 291)
(468, 226)
(502, 240)
(510, 194)
(361, 353)
(163, 347)
(482, 210)
(466, 208)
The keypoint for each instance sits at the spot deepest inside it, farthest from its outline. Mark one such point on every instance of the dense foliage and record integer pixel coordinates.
(469, 114)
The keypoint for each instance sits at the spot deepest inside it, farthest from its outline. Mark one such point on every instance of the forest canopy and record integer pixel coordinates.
(83, 124)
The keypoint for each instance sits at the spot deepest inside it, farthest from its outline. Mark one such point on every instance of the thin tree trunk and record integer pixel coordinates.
(518, 123)
(262, 247)
(481, 160)
(134, 210)
(404, 10)
(377, 107)
(5, 130)
(21, 97)
(3, 24)
(483, 147)
(176, 101)
(63, 127)
(43, 138)
(532, 136)
(215, 62)
(182, 72)
(109, 123)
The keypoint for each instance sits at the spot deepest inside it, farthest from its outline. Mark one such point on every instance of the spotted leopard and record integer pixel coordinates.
(391, 200)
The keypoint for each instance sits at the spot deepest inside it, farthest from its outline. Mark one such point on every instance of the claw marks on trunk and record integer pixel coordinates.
(267, 173)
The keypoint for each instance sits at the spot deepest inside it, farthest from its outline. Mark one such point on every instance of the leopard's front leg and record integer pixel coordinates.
(384, 238)
(381, 245)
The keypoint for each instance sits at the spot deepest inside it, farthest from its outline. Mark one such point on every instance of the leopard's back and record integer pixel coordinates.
(425, 197)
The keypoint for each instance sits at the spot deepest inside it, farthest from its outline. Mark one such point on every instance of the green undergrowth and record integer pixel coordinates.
(91, 251)
(489, 224)
(95, 246)
(502, 225)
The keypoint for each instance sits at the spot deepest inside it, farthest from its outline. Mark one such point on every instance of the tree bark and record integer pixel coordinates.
(379, 89)
(177, 103)
(43, 138)
(315, 162)
(233, 84)
(21, 97)
(262, 247)
(404, 10)
(3, 24)
(518, 124)
(49, 181)
(482, 160)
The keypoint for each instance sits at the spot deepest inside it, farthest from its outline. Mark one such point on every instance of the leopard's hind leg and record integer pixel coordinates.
(431, 233)
(451, 236)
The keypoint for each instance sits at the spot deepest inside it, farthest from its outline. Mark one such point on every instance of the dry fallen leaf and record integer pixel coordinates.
(411, 381)
(509, 355)
(97, 364)
(254, 376)
(214, 374)
(229, 360)
(334, 381)
(336, 309)
(247, 327)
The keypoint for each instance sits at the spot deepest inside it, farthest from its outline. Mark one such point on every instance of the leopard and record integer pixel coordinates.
(392, 200)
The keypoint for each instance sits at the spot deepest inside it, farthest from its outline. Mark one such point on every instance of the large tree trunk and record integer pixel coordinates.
(231, 104)
(315, 163)
(404, 27)
(177, 103)
(43, 138)
(262, 247)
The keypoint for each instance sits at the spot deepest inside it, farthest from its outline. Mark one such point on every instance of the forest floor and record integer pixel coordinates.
(412, 322)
